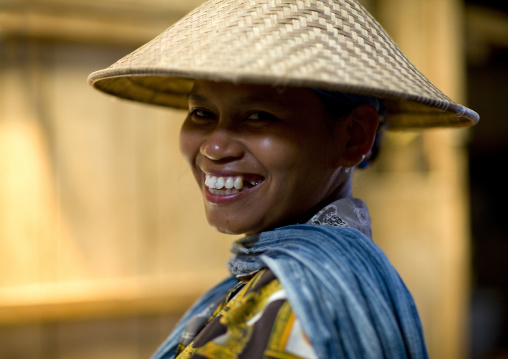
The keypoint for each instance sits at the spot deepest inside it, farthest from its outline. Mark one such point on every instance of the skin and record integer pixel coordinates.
(282, 139)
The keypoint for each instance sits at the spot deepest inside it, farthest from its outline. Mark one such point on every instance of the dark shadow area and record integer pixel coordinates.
(488, 149)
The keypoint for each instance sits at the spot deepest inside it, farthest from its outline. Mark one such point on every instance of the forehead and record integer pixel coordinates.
(210, 88)
(240, 94)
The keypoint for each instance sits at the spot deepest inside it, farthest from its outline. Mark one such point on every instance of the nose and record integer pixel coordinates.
(221, 144)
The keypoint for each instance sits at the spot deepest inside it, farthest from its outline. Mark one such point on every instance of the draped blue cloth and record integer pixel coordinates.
(349, 299)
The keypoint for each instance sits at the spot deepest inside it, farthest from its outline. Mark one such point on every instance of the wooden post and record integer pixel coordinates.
(419, 198)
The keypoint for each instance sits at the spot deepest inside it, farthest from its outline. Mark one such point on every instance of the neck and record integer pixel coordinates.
(343, 190)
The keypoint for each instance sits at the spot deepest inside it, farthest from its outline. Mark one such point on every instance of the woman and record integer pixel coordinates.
(284, 99)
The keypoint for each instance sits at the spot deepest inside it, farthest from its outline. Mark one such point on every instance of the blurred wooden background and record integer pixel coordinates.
(103, 241)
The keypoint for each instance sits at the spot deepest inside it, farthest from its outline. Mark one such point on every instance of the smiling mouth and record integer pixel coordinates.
(227, 185)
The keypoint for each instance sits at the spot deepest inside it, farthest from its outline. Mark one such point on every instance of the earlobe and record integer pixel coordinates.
(361, 127)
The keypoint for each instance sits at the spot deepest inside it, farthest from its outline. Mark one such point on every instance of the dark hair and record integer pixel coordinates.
(338, 104)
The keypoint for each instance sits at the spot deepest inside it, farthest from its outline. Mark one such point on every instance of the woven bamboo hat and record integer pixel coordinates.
(332, 45)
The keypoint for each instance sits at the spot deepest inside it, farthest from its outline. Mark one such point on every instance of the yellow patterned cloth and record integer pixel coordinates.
(254, 320)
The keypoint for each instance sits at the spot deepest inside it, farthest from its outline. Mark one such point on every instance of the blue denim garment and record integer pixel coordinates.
(348, 297)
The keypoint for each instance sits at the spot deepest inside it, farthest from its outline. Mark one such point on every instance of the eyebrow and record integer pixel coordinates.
(196, 97)
(193, 96)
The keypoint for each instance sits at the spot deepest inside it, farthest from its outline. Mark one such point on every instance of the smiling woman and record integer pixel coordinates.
(284, 99)
(271, 141)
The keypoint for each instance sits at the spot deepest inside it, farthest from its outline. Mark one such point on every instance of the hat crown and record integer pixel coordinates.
(327, 44)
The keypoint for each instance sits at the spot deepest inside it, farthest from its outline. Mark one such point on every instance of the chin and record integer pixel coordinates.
(233, 230)
(230, 224)
(224, 230)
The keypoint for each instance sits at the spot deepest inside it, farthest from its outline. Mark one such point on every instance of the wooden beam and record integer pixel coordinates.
(93, 22)
(103, 298)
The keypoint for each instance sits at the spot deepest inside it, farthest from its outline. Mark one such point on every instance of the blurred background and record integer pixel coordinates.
(103, 241)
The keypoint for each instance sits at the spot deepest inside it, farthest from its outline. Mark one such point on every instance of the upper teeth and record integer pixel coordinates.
(215, 182)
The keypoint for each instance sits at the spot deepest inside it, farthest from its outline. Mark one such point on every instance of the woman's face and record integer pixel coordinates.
(262, 157)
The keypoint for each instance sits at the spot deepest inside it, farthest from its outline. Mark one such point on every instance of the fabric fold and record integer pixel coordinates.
(350, 300)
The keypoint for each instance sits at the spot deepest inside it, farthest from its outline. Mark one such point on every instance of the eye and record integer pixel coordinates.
(201, 115)
(261, 116)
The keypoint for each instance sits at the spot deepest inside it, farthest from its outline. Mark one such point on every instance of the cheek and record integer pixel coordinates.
(290, 152)
(276, 152)
(189, 142)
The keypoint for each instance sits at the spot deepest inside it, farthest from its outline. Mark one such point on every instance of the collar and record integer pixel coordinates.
(345, 212)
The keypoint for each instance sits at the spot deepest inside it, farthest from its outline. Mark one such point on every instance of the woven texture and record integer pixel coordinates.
(325, 44)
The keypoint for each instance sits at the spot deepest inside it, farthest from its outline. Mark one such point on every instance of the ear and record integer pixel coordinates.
(359, 132)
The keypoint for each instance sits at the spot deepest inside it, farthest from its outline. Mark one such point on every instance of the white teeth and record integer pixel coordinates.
(220, 182)
(229, 183)
(210, 182)
(226, 185)
(238, 183)
(219, 192)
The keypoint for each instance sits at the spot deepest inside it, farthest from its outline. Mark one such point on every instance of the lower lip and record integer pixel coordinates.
(226, 199)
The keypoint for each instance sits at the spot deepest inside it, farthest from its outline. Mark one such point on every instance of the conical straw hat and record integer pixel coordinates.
(325, 44)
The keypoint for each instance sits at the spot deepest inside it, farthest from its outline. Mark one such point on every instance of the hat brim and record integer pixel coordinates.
(167, 89)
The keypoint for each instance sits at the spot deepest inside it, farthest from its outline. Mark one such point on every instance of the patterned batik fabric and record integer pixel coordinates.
(255, 320)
